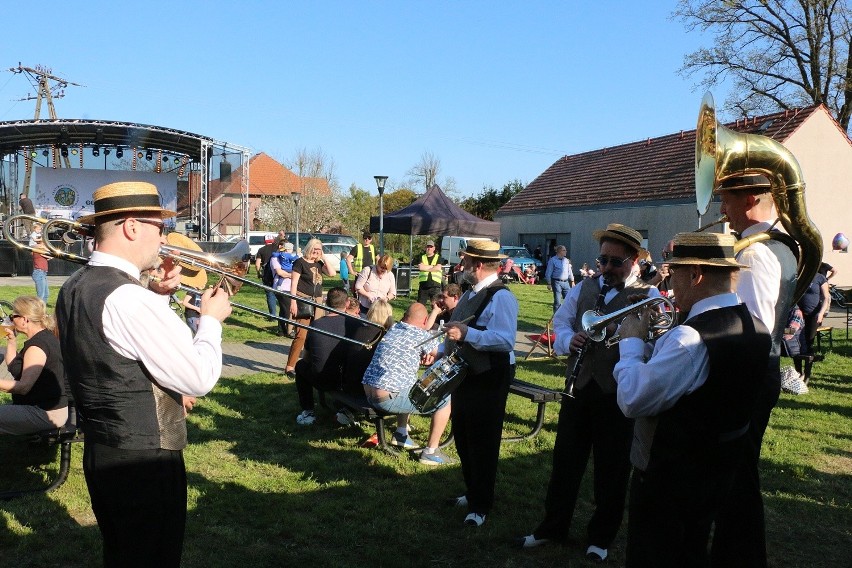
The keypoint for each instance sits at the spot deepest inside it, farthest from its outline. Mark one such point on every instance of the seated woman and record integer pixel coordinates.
(530, 274)
(39, 401)
(358, 357)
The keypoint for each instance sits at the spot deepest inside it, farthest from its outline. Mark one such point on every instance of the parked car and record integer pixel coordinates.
(522, 258)
(331, 254)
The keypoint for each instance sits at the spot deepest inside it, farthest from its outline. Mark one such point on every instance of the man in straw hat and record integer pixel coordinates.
(487, 344)
(591, 420)
(767, 289)
(692, 402)
(129, 359)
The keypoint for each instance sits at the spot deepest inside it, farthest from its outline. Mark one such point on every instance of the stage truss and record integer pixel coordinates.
(94, 144)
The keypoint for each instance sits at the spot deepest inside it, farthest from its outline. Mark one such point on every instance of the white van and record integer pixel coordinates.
(451, 245)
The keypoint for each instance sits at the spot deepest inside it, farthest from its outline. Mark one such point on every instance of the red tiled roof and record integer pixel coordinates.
(652, 169)
(267, 177)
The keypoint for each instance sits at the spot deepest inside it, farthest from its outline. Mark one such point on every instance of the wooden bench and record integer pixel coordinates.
(824, 332)
(63, 437)
(538, 395)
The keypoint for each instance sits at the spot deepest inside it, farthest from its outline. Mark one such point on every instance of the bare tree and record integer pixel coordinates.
(780, 54)
(313, 164)
(425, 171)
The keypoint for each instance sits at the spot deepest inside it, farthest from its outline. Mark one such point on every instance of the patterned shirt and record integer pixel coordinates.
(396, 361)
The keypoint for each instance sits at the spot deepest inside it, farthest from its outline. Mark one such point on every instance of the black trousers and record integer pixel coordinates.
(673, 507)
(590, 422)
(739, 538)
(139, 500)
(479, 406)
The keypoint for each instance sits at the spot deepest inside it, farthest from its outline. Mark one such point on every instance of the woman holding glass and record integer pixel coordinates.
(306, 282)
(39, 401)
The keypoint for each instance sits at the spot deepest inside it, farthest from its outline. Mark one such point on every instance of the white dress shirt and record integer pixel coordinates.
(759, 285)
(679, 365)
(500, 318)
(558, 268)
(565, 316)
(140, 325)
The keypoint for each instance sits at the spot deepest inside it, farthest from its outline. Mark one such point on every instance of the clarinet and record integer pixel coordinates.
(575, 372)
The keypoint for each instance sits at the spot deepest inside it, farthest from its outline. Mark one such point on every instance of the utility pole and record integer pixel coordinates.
(40, 78)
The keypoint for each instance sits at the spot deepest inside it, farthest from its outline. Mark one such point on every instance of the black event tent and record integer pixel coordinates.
(435, 214)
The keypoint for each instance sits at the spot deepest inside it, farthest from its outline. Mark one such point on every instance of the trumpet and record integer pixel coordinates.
(595, 324)
(231, 267)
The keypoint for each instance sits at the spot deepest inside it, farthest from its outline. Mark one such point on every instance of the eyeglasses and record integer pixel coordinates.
(603, 260)
(15, 316)
(156, 222)
(430, 246)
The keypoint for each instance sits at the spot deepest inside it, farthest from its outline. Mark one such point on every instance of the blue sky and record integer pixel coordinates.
(496, 90)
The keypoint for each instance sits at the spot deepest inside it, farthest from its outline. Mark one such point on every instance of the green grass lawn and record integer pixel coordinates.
(267, 492)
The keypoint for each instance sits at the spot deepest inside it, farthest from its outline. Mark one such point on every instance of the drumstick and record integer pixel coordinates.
(440, 332)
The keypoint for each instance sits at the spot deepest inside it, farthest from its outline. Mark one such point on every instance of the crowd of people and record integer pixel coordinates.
(674, 426)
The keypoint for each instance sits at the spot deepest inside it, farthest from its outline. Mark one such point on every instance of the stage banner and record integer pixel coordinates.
(67, 192)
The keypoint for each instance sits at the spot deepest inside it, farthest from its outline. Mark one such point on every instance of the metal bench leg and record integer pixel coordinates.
(539, 422)
(64, 467)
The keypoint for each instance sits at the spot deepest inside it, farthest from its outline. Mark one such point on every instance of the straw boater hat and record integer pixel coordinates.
(624, 234)
(755, 183)
(126, 196)
(710, 249)
(190, 275)
(484, 250)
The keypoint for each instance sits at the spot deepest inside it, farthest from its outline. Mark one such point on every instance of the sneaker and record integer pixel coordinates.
(529, 541)
(457, 501)
(474, 520)
(345, 417)
(435, 458)
(306, 418)
(402, 441)
(596, 554)
(290, 373)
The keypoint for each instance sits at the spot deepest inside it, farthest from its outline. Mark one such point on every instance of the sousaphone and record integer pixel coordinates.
(722, 153)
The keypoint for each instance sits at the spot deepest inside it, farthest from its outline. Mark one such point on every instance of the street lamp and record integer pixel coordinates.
(380, 183)
(296, 196)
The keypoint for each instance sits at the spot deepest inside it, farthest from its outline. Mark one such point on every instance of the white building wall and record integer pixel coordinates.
(660, 222)
(825, 156)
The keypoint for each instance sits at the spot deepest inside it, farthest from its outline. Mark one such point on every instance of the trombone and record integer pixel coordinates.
(231, 267)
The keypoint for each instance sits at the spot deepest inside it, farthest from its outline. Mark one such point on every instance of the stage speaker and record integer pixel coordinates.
(403, 280)
(225, 171)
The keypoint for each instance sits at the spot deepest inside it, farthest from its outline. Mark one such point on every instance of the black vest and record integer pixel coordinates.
(787, 260)
(478, 361)
(690, 435)
(121, 405)
(600, 360)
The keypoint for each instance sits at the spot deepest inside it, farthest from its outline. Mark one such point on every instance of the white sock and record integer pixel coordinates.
(429, 451)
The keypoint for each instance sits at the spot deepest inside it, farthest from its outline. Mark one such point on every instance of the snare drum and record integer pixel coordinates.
(438, 382)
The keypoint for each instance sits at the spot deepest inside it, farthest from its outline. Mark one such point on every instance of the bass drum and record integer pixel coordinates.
(438, 382)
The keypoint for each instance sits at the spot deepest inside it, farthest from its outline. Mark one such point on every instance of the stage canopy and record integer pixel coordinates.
(435, 214)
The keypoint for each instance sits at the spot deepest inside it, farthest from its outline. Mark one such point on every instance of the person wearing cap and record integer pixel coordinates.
(692, 401)
(431, 267)
(591, 420)
(767, 289)
(129, 359)
(39, 262)
(359, 256)
(261, 260)
(487, 344)
(559, 276)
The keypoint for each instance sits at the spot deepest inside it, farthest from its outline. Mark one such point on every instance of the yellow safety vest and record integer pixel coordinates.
(358, 263)
(427, 276)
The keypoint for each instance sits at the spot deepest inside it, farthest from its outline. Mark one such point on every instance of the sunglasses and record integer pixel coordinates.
(156, 222)
(13, 317)
(603, 260)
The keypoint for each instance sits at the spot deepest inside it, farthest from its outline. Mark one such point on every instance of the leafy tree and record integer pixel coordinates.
(780, 54)
(489, 200)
